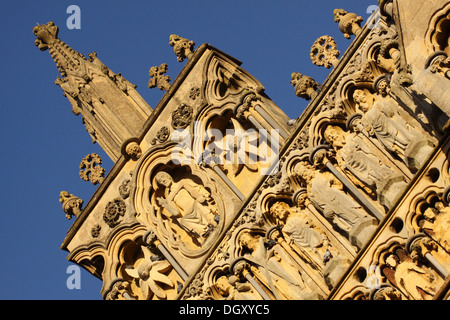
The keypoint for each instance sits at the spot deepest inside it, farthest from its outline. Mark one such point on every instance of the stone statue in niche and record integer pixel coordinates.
(415, 281)
(354, 156)
(230, 288)
(189, 204)
(382, 120)
(437, 222)
(327, 194)
(308, 241)
(275, 269)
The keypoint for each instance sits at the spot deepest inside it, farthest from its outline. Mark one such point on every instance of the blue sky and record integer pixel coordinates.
(43, 142)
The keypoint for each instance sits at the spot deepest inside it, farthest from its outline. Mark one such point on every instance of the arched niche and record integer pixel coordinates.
(179, 201)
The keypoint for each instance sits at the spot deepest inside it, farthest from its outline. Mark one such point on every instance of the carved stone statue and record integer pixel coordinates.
(308, 241)
(382, 120)
(413, 280)
(354, 156)
(438, 221)
(276, 270)
(190, 204)
(231, 289)
(328, 196)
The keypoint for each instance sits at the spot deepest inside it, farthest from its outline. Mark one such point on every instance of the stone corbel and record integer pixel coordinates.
(439, 63)
(131, 149)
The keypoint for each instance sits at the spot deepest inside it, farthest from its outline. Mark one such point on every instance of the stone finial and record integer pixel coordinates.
(349, 23)
(182, 47)
(46, 34)
(71, 205)
(158, 77)
(324, 52)
(305, 87)
(91, 169)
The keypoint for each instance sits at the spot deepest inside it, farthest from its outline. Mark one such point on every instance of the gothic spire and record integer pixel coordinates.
(112, 110)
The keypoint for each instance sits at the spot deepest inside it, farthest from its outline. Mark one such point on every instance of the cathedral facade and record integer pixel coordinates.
(216, 194)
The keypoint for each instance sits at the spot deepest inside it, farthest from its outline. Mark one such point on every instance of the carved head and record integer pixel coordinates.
(223, 286)
(248, 241)
(392, 260)
(335, 136)
(362, 99)
(280, 210)
(164, 179)
(46, 34)
(304, 172)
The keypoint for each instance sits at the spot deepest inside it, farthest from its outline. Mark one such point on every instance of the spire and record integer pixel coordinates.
(112, 110)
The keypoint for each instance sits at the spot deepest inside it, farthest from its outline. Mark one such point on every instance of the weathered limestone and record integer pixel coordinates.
(217, 197)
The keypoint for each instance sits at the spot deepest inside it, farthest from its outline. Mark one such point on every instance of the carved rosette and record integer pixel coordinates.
(161, 136)
(91, 169)
(182, 116)
(114, 211)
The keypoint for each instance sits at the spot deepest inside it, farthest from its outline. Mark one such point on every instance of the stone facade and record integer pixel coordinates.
(216, 194)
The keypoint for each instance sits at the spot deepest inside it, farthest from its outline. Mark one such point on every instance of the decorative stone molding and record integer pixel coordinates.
(71, 205)
(305, 87)
(133, 150)
(194, 93)
(324, 52)
(91, 169)
(161, 136)
(349, 23)
(439, 63)
(95, 231)
(158, 79)
(125, 189)
(182, 47)
(114, 211)
(182, 116)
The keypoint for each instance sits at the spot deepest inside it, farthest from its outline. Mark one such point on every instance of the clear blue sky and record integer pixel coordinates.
(43, 142)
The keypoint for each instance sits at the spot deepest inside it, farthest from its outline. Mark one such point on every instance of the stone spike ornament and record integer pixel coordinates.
(112, 110)
(65, 57)
(305, 87)
(349, 23)
(182, 47)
